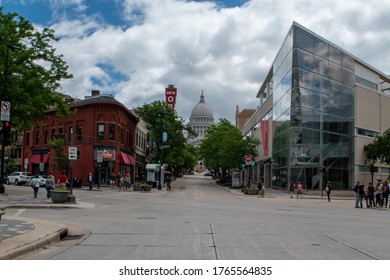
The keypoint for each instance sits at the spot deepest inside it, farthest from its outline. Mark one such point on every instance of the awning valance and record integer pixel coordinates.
(37, 158)
(126, 159)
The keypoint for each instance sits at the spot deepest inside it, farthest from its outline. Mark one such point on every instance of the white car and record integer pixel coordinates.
(19, 178)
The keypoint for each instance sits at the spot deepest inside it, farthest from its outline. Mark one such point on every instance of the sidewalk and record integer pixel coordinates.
(19, 236)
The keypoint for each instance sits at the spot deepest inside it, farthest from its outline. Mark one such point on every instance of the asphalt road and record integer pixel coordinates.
(198, 220)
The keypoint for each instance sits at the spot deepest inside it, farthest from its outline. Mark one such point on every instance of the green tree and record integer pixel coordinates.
(224, 146)
(379, 149)
(60, 159)
(11, 166)
(34, 70)
(161, 119)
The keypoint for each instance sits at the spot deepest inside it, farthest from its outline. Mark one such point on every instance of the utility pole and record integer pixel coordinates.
(4, 99)
(71, 198)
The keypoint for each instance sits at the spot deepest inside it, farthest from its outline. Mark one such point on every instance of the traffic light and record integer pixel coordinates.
(6, 133)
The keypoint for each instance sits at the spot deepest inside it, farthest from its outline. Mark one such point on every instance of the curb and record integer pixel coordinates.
(34, 246)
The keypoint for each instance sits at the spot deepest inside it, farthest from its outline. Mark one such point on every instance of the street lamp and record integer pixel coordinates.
(161, 132)
(5, 98)
(372, 170)
(71, 198)
(99, 158)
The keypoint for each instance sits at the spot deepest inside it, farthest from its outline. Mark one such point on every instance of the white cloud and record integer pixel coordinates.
(199, 45)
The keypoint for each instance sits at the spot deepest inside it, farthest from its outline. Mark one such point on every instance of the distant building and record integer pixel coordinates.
(243, 116)
(201, 119)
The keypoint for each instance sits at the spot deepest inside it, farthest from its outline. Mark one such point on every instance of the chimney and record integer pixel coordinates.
(95, 92)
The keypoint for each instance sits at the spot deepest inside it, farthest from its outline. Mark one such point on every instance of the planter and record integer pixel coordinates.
(250, 191)
(147, 188)
(59, 196)
(137, 187)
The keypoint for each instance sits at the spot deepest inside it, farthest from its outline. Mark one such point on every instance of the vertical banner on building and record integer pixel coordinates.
(264, 136)
(170, 96)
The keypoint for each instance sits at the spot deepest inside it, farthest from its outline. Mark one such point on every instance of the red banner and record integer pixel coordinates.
(264, 136)
(170, 96)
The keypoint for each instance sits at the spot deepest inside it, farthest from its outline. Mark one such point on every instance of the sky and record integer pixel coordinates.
(134, 49)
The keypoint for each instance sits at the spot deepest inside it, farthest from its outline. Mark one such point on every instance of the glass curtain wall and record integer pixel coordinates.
(313, 112)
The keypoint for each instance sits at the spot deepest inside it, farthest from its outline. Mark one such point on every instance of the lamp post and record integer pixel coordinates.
(372, 169)
(99, 159)
(5, 98)
(160, 135)
(71, 198)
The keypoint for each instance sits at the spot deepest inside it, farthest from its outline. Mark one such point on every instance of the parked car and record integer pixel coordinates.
(19, 178)
(208, 174)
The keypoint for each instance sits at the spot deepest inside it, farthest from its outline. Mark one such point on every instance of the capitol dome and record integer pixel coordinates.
(201, 118)
(202, 110)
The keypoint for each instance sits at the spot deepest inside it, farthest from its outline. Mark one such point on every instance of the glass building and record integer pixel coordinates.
(307, 118)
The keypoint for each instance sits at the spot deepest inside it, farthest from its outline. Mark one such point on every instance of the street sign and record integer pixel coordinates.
(72, 153)
(248, 159)
(5, 110)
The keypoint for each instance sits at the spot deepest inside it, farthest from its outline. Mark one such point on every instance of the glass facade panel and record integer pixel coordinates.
(334, 55)
(321, 84)
(347, 61)
(305, 79)
(304, 60)
(347, 77)
(320, 48)
(334, 71)
(322, 112)
(304, 40)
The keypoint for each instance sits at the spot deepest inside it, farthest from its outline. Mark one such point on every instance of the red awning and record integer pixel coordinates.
(37, 158)
(126, 159)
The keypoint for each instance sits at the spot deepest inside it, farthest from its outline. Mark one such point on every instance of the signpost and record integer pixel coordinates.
(5, 110)
(72, 153)
(248, 160)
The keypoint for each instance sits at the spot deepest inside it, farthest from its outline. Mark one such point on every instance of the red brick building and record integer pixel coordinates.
(103, 131)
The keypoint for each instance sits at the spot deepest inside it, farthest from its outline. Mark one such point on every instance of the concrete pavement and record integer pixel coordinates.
(19, 236)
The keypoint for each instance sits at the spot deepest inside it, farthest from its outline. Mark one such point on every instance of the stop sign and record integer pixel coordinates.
(248, 159)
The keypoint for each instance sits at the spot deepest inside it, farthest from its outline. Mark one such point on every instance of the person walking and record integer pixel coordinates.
(49, 184)
(35, 184)
(121, 183)
(90, 180)
(259, 187)
(328, 189)
(168, 180)
(112, 180)
(127, 181)
(385, 194)
(362, 195)
(379, 192)
(371, 194)
(262, 193)
(118, 179)
(291, 188)
(299, 189)
(357, 196)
